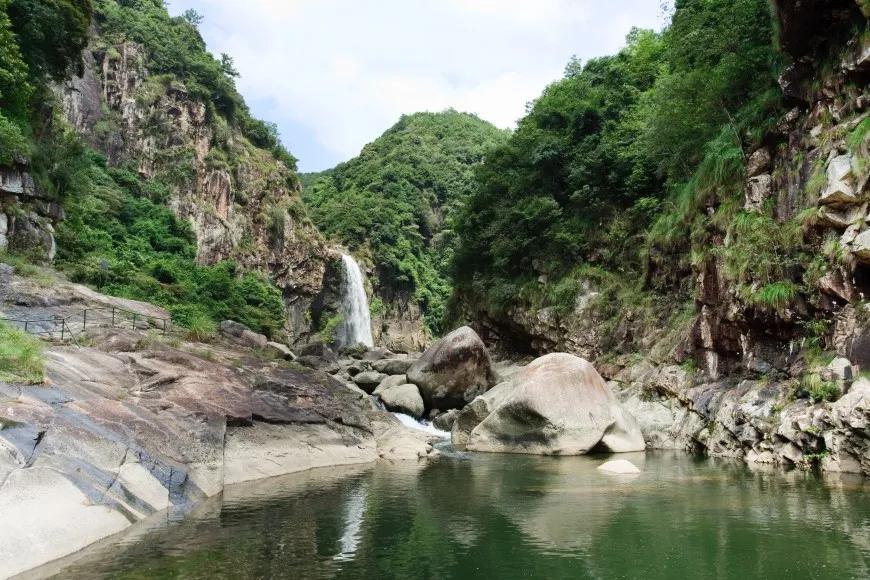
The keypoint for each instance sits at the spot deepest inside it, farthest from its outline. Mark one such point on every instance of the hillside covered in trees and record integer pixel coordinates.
(625, 173)
(396, 203)
(148, 177)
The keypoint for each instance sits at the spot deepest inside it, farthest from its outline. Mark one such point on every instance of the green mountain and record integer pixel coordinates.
(395, 204)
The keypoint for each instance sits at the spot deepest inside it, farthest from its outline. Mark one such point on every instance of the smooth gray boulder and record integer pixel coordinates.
(393, 366)
(559, 405)
(369, 380)
(403, 399)
(242, 335)
(476, 411)
(389, 382)
(279, 351)
(453, 371)
(376, 354)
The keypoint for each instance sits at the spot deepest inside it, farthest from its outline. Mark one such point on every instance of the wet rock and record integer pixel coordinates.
(454, 370)
(559, 406)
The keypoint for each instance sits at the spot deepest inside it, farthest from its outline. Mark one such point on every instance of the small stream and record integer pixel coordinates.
(500, 516)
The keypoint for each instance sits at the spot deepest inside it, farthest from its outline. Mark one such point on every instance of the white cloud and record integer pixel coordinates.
(345, 70)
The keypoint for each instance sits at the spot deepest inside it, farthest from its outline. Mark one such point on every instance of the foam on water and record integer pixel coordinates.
(426, 426)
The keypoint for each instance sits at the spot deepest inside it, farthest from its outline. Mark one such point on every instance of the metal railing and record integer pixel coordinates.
(101, 317)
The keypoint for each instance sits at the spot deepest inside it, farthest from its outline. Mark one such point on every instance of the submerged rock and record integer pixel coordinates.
(620, 466)
(454, 370)
(559, 405)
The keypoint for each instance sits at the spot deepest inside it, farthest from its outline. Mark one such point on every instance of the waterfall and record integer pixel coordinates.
(356, 326)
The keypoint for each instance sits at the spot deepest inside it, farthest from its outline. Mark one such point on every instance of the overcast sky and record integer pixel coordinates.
(335, 74)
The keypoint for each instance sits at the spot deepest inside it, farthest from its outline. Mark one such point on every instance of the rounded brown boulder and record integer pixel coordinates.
(559, 405)
(453, 371)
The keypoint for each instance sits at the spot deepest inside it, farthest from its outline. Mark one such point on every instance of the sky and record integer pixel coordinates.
(335, 74)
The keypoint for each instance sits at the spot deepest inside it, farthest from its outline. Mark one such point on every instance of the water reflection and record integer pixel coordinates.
(354, 510)
(483, 516)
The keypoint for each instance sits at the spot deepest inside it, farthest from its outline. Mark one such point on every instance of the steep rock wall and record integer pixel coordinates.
(246, 208)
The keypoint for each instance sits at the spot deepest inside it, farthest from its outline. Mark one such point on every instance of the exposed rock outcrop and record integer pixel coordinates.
(139, 423)
(453, 371)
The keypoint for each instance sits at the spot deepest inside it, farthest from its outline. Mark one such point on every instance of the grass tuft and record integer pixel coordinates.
(21, 356)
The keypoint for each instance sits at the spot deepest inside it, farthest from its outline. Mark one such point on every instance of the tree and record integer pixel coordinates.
(52, 35)
(228, 66)
(193, 17)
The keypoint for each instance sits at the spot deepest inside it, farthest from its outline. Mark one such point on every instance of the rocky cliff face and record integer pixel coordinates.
(247, 209)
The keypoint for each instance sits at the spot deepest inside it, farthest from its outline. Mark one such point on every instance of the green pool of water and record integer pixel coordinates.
(496, 516)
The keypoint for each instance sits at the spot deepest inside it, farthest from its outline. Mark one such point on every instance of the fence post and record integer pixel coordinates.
(84, 319)
(113, 317)
(134, 321)
(62, 329)
(164, 327)
(25, 326)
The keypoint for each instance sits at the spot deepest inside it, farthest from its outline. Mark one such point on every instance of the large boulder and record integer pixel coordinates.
(476, 411)
(453, 371)
(403, 399)
(559, 405)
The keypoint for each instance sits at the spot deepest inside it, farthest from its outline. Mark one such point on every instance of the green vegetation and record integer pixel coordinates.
(200, 328)
(176, 48)
(623, 171)
(21, 359)
(150, 254)
(820, 390)
(397, 201)
(119, 235)
(328, 328)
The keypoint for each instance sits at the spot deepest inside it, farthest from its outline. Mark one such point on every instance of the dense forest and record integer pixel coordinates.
(397, 202)
(609, 177)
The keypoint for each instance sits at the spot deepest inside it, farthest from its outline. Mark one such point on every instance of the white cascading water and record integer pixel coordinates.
(356, 326)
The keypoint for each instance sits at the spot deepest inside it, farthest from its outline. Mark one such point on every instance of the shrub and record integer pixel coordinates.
(200, 328)
(21, 358)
